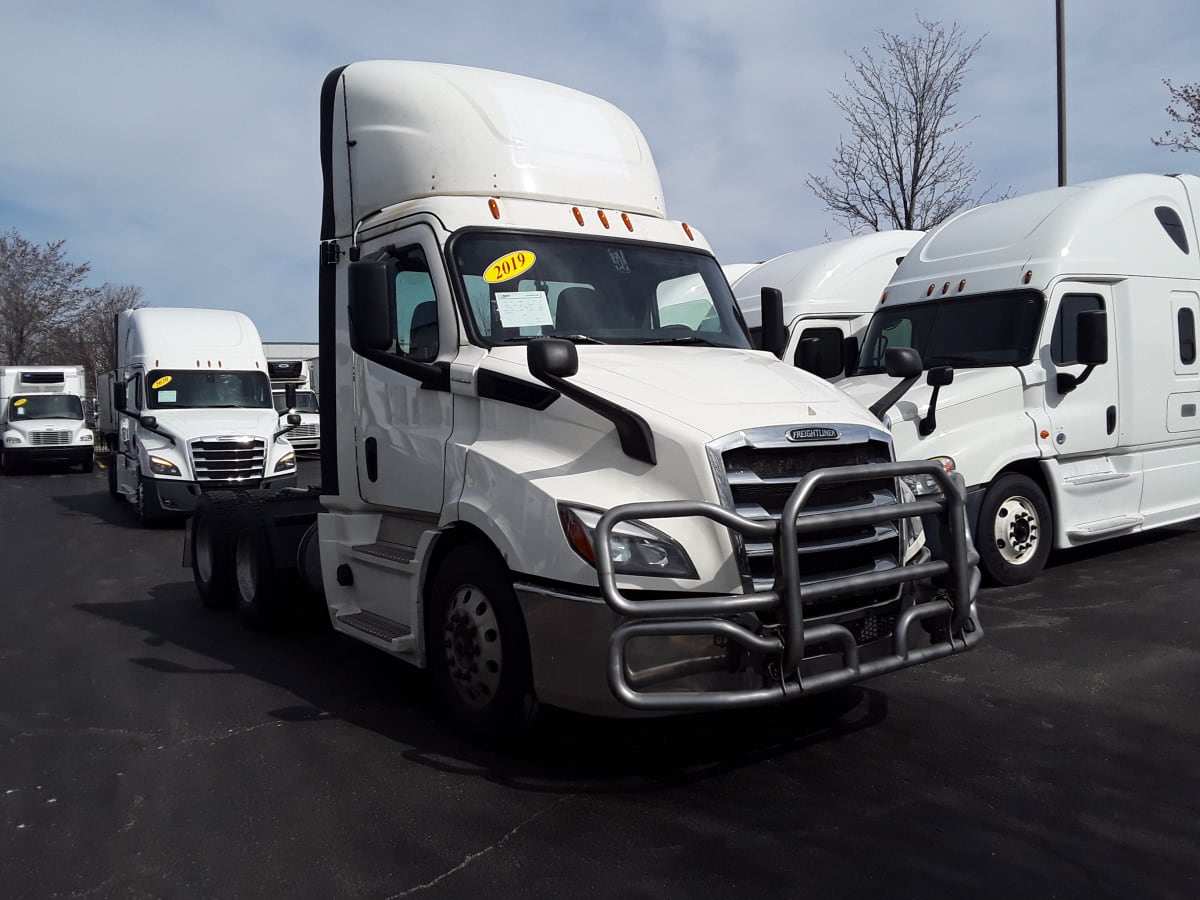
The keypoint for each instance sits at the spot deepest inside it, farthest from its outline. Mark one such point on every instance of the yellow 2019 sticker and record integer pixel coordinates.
(509, 266)
(160, 382)
(20, 401)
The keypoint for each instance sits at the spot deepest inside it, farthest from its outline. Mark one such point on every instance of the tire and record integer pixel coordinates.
(86, 466)
(478, 647)
(149, 511)
(6, 466)
(112, 478)
(1016, 528)
(259, 590)
(213, 538)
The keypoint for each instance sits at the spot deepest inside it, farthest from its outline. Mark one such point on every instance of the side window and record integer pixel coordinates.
(898, 334)
(416, 321)
(1187, 336)
(1064, 339)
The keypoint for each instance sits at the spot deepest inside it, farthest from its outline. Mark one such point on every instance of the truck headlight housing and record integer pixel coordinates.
(634, 547)
(160, 466)
(911, 528)
(11, 438)
(286, 463)
(85, 437)
(927, 485)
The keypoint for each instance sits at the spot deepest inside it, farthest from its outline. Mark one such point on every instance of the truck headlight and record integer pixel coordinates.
(160, 466)
(10, 439)
(927, 485)
(287, 462)
(85, 437)
(634, 547)
(910, 527)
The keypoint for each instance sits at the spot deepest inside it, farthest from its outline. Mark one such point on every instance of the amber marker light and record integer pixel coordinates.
(929, 291)
(962, 284)
(945, 287)
(688, 231)
(628, 222)
(1028, 276)
(578, 214)
(1045, 434)
(603, 218)
(883, 299)
(494, 207)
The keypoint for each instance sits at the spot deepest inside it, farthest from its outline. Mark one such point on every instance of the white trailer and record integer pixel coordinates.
(42, 417)
(190, 408)
(829, 293)
(524, 365)
(1066, 320)
(293, 391)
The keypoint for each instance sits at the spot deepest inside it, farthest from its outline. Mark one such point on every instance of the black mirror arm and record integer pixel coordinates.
(153, 429)
(637, 440)
(927, 424)
(1066, 382)
(884, 403)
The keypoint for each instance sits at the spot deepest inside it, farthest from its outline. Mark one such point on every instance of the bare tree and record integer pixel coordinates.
(40, 290)
(1184, 110)
(88, 336)
(900, 166)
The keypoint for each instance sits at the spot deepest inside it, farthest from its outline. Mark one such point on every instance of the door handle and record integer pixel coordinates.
(371, 454)
(1111, 412)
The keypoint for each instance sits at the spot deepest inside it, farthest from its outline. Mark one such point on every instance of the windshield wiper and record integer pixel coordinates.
(689, 339)
(573, 338)
(949, 359)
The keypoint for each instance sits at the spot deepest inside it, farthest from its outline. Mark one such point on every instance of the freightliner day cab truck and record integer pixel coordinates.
(41, 416)
(189, 409)
(1059, 331)
(829, 293)
(536, 480)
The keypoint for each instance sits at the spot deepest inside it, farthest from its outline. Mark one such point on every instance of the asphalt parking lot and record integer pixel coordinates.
(152, 748)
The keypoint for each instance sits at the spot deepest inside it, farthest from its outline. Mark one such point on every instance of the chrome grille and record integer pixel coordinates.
(759, 471)
(228, 459)
(49, 438)
(304, 431)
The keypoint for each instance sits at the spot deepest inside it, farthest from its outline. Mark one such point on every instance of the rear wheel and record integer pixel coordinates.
(478, 646)
(258, 588)
(1015, 530)
(213, 539)
(112, 477)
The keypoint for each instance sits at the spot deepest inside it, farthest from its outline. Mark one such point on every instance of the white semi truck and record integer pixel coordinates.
(1059, 334)
(293, 392)
(189, 408)
(829, 292)
(42, 418)
(545, 475)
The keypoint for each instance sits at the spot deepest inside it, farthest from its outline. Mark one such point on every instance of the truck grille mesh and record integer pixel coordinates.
(759, 482)
(228, 459)
(304, 431)
(49, 438)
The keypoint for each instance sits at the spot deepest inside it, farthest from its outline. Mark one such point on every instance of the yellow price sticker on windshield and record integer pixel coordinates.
(160, 382)
(20, 402)
(509, 266)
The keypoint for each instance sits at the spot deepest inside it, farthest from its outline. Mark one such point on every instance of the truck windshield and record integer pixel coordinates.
(306, 402)
(44, 406)
(208, 390)
(988, 330)
(522, 286)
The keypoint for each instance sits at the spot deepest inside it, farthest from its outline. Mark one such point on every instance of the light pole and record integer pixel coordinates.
(1062, 93)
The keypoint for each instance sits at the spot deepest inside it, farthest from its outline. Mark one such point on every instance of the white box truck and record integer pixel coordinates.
(293, 392)
(42, 417)
(829, 293)
(546, 476)
(190, 408)
(1059, 333)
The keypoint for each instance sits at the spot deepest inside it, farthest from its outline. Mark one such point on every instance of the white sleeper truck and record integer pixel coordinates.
(1058, 334)
(191, 411)
(293, 392)
(829, 294)
(553, 468)
(42, 417)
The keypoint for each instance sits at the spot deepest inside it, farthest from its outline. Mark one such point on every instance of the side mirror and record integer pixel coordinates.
(293, 419)
(552, 356)
(820, 352)
(1092, 337)
(902, 362)
(289, 396)
(119, 396)
(372, 287)
(850, 351)
(774, 332)
(940, 376)
(150, 422)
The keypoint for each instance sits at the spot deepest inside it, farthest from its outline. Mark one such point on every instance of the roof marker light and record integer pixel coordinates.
(945, 287)
(603, 217)
(578, 214)
(628, 223)
(1028, 276)
(962, 284)
(883, 299)
(494, 207)
(688, 231)
(929, 291)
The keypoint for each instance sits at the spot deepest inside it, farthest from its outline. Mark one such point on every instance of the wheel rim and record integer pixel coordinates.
(1016, 530)
(203, 550)
(471, 638)
(247, 569)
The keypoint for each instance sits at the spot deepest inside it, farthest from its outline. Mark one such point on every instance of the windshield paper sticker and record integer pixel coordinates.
(20, 401)
(166, 397)
(160, 382)
(509, 266)
(523, 309)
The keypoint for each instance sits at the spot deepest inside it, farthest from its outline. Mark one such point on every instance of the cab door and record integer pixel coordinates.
(404, 422)
(1085, 420)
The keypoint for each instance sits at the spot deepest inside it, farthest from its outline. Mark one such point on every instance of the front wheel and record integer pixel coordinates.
(146, 505)
(1015, 530)
(478, 647)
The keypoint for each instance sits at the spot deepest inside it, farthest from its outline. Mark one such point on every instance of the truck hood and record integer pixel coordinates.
(193, 423)
(713, 390)
(970, 385)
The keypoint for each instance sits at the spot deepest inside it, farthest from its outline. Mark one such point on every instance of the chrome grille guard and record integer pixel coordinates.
(956, 570)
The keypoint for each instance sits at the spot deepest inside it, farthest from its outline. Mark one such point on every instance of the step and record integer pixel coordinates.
(387, 555)
(398, 638)
(1105, 526)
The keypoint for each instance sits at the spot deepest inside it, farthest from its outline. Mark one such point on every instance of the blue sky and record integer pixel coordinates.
(174, 146)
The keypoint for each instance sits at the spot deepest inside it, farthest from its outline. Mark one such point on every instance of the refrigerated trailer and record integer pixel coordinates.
(553, 468)
(42, 417)
(1059, 333)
